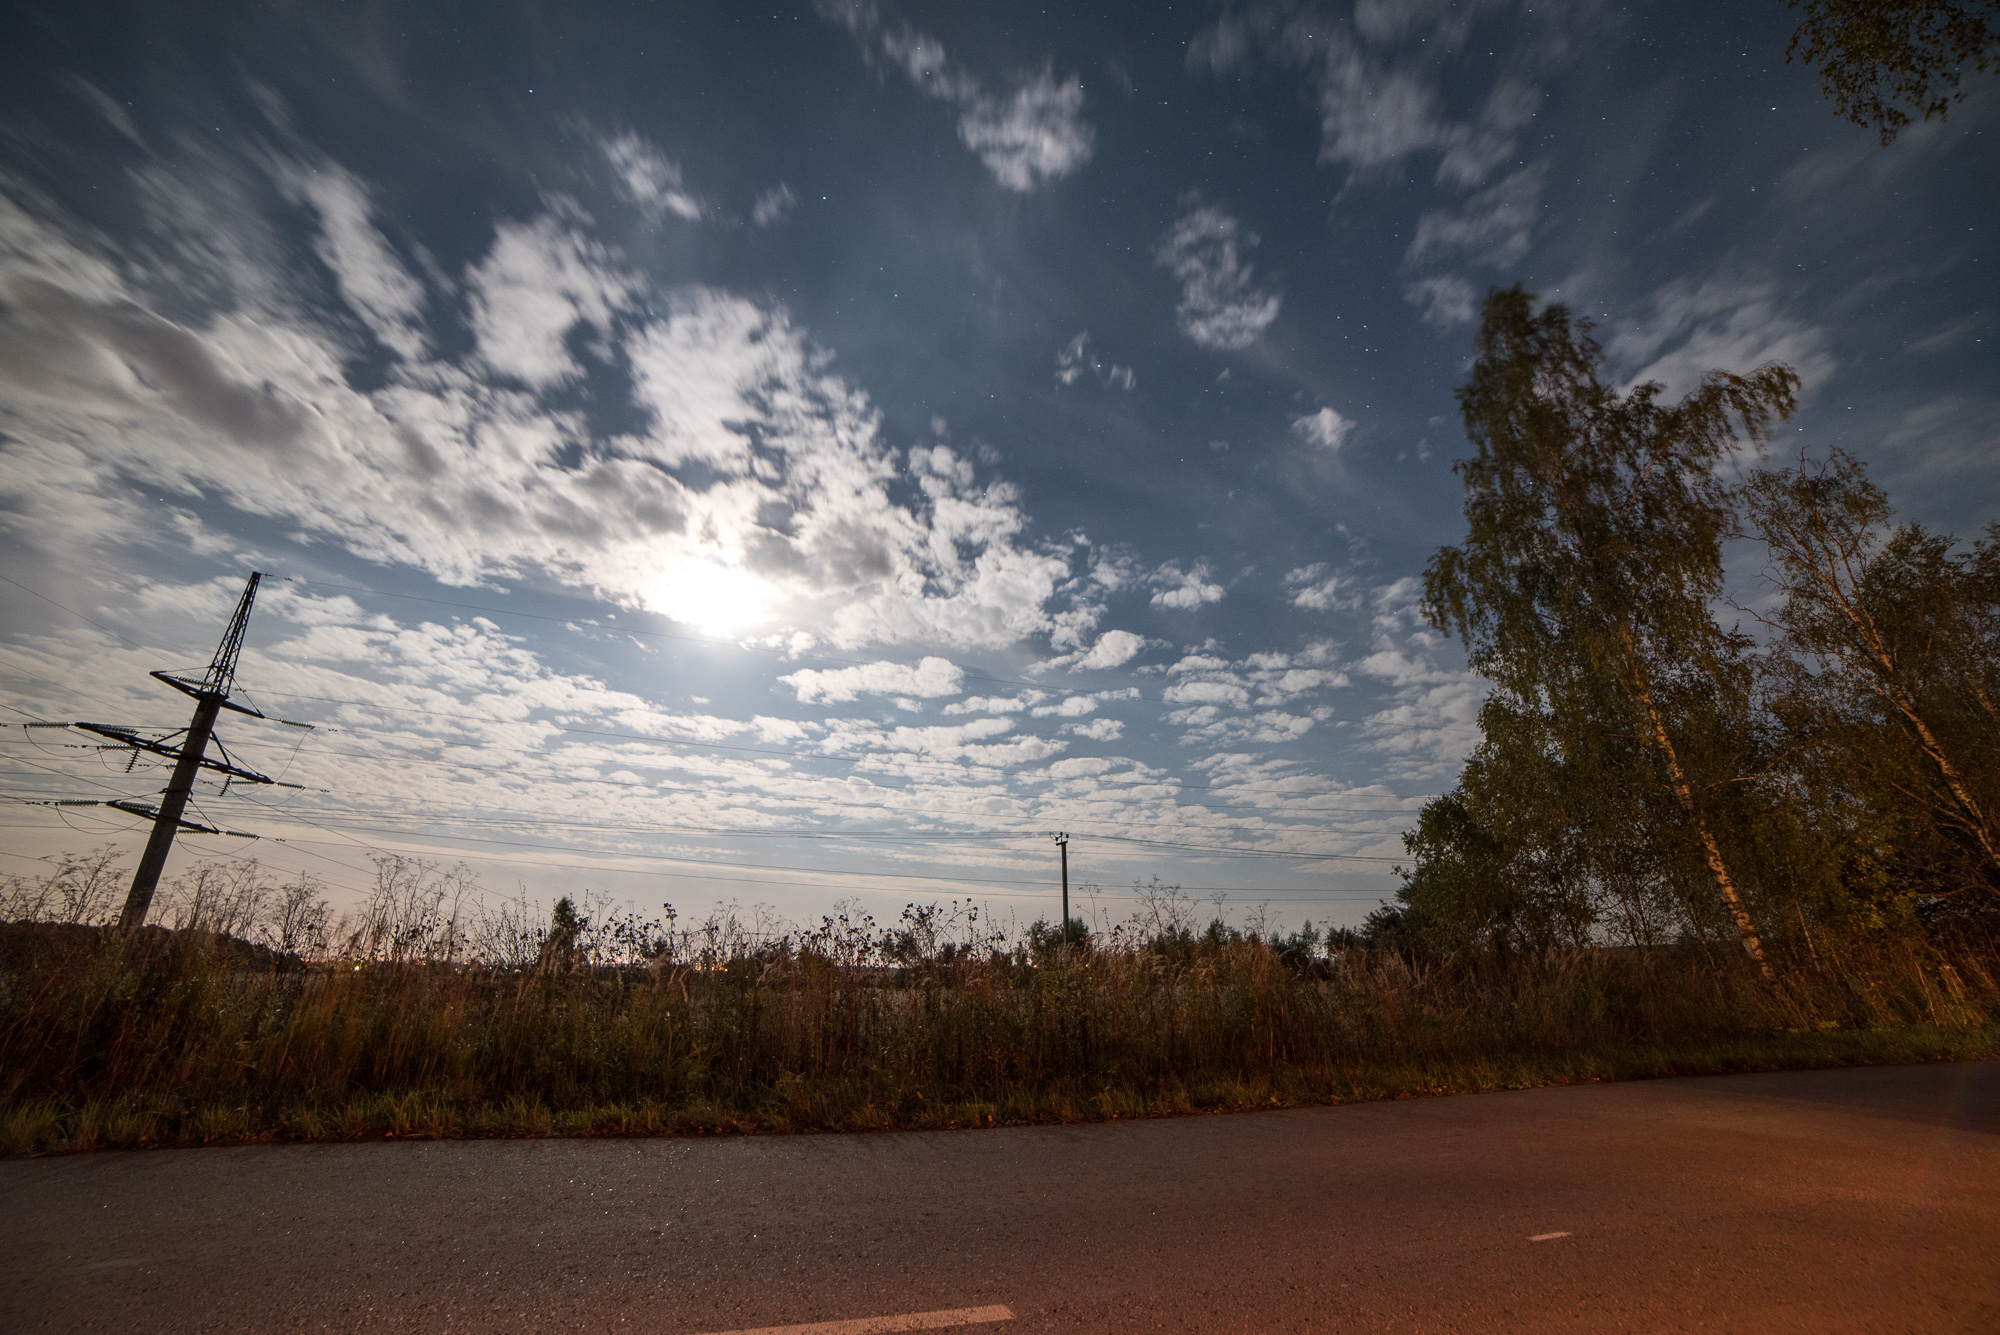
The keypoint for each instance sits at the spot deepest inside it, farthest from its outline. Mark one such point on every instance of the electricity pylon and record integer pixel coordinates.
(190, 757)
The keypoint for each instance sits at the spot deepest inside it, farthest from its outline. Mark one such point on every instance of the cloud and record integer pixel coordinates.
(538, 282)
(1268, 729)
(1076, 359)
(650, 180)
(108, 107)
(1317, 590)
(1031, 135)
(1373, 117)
(773, 205)
(1075, 706)
(1184, 590)
(1027, 135)
(747, 485)
(993, 704)
(1114, 648)
(1097, 730)
(1278, 687)
(930, 678)
(1380, 87)
(1379, 108)
(1220, 307)
(371, 278)
(1326, 429)
(1207, 686)
(1432, 720)
(1447, 301)
(1687, 329)
(1207, 692)
(1493, 227)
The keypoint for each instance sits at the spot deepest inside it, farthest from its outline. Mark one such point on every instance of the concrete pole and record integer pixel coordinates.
(172, 803)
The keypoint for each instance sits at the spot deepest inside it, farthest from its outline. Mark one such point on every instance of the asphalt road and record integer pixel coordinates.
(1835, 1200)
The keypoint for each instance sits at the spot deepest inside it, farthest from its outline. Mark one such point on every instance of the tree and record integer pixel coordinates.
(1893, 641)
(1583, 589)
(1505, 889)
(1876, 54)
(559, 948)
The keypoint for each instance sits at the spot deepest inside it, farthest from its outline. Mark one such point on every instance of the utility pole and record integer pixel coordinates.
(211, 697)
(1062, 842)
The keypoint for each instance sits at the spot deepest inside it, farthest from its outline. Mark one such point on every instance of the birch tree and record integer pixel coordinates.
(1894, 638)
(1584, 588)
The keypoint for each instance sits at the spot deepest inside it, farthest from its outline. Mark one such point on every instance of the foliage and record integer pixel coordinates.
(181, 1037)
(1645, 775)
(1877, 57)
(1582, 591)
(1886, 674)
(78, 888)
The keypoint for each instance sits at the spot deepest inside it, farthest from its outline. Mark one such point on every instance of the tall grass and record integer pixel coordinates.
(182, 1037)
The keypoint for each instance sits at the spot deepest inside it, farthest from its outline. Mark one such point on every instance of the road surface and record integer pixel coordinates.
(1833, 1200)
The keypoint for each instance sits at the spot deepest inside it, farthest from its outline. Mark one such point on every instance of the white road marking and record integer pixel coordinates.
(1545, 1237)
(873, 1325)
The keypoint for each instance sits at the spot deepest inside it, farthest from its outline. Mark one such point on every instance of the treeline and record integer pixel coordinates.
(1824, 769)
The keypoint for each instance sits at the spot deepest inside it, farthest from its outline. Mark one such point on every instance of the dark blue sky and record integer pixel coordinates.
(985, 420)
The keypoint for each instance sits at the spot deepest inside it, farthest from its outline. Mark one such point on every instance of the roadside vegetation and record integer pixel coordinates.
(426, 1016)
(1686, 842)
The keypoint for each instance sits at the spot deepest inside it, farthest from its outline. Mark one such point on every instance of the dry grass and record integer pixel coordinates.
(189, 1038)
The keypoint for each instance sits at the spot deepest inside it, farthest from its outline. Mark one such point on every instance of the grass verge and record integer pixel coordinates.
(139, 1121)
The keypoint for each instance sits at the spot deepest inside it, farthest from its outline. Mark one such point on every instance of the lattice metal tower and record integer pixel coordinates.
(211, 696)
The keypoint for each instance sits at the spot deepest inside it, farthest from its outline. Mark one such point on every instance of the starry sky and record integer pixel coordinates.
(812, 454)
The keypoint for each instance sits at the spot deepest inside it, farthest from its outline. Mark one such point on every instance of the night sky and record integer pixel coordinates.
(813, 454)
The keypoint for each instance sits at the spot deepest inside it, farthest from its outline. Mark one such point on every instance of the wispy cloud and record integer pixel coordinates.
(1686, 329)
(1028, 134)
(1221, 306)
(1031, 134)
(1077, 360)
(372, 279)
(1316, 589)
(1493, 227)
(1325, 429)
(1447, 301)
(650, 180)
(1379, 75)
(773, 205)
(1379, 96)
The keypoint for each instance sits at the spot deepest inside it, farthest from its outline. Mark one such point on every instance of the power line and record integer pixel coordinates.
(1311, 896)
(756, 866)
(73, 612)
(211, 693)
(1209, 849)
